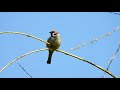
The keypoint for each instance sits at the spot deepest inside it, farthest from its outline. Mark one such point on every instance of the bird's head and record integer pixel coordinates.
(54, 34)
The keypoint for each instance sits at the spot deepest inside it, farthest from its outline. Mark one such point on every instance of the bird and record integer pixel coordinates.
(54, 43)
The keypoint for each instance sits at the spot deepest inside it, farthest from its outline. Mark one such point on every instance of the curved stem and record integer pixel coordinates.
(87, 62)
(47, 49)
(28, 35)
(22, 57)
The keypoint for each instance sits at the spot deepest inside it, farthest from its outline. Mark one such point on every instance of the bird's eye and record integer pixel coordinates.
(54, 33)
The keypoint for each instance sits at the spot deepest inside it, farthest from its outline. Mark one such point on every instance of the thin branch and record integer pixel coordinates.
(94, 40)
(22, 57)
(115, 13)
(61, 52)
(87, 62)
(25, 71)
(112, 58)
(47, 49)
(28, 35)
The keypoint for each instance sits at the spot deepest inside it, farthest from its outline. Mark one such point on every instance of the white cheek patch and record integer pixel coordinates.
(53, 35)
(58, 34)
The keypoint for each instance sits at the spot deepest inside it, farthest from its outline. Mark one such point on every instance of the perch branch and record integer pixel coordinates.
(47, 49)
(28, 35)
(87, 62)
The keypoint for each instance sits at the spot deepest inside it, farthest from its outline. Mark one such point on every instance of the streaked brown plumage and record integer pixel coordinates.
(55, 41)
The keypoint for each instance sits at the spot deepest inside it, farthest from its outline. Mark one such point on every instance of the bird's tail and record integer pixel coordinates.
(49, 57)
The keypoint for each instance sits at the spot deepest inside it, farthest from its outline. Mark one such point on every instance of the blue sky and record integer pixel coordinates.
(74, 27)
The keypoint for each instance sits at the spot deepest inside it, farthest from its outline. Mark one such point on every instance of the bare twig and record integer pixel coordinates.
(61, 52)
(87, 62)
(94, 40)
(28, 35)
(22, 57)
(115, 13)
(112, 58)
(47, 49)
(25, 71)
